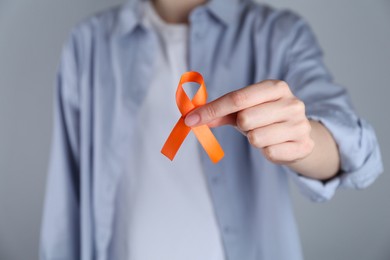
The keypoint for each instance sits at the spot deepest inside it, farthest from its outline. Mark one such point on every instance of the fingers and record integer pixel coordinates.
(288, 152)
(278, 133)
(268, 113)
(238, 100)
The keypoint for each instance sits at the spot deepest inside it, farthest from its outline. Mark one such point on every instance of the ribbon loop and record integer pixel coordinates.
(181, 130)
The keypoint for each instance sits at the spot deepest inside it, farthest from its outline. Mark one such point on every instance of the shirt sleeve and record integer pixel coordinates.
(60, 225)
(329, 104)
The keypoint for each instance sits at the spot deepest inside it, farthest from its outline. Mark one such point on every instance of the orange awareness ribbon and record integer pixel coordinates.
(181, 130)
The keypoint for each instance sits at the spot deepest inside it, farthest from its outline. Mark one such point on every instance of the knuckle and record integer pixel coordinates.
(305, 148)
(282, 86)
(243, 121)
(270, 153)
(253, 139)
(238, 98)
(297, 106)
(304, 128)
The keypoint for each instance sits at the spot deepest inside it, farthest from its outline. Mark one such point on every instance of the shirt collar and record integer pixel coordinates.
(130, 14)
(226, 11)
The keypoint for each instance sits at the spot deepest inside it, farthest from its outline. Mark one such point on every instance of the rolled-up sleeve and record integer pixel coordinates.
(60, 225)
(329, 104)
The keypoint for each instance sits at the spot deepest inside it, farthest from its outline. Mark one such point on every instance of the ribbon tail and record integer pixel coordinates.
(209, 143)
(175, 139)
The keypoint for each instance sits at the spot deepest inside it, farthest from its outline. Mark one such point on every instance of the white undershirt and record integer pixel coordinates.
(168, 212)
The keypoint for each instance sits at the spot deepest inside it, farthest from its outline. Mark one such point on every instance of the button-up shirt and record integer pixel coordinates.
(103, 78)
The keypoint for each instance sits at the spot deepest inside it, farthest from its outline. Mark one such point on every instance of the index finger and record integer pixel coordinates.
(237, 100)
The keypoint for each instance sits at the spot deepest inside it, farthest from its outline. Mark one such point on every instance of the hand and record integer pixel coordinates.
(270, 116)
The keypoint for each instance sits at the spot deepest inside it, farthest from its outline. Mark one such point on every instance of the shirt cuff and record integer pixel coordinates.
(359, 152)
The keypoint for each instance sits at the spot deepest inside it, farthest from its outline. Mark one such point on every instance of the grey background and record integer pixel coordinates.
(355, 36)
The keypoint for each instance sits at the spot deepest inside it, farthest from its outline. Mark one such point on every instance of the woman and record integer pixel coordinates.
(112, 195)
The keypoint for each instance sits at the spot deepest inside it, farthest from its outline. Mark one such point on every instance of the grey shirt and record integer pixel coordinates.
(104, 75)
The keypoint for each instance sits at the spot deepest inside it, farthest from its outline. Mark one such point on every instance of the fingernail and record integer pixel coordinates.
(192, 119)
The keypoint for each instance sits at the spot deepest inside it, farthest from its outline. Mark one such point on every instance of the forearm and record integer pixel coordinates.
(324, 161)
